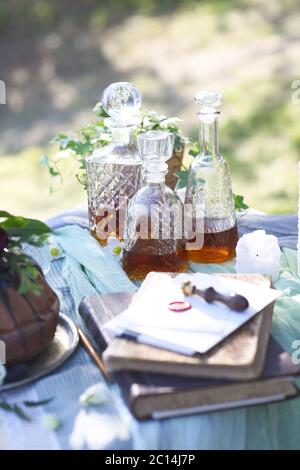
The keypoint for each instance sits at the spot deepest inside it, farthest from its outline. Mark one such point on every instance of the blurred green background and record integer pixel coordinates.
(57, 56)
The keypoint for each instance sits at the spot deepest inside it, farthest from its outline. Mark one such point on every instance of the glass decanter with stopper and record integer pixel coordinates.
(209, 187)
(154, 225)
(114, 171)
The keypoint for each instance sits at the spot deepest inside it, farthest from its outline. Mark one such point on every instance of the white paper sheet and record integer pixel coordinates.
(195, 330)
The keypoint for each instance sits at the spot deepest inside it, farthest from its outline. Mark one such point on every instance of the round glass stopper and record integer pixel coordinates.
(122, 101)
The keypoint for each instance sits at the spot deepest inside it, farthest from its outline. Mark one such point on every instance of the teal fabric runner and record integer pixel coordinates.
(87, 268)
(269, 426)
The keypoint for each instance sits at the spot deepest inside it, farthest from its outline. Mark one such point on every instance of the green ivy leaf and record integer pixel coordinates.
(182, 178)
(5, 406)
(19, 412)
(53, 171)
(194, 151)
(22, 228)
(65, 141)
(16, 409)
(45, 162)
(100, 111)
(239, 203)
(4, 214)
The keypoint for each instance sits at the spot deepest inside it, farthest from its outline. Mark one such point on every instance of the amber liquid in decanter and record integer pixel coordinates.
(143, 258)
(218, 247)
(154, 239)
(103, 221)
(209, 190)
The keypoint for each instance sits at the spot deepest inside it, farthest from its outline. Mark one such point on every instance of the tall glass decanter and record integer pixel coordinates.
(209, 188)
(114, 171)
(154, 225)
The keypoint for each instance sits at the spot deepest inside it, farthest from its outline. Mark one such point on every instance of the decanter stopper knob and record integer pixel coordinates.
(208, 102)
(122, 101)
(156, 145)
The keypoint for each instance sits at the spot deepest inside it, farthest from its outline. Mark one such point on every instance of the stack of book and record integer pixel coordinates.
(247, 367)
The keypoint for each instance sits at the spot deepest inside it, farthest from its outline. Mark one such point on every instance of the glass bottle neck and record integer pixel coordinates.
(122, 135)
(155, 172)
(209, 139)
(155, 180)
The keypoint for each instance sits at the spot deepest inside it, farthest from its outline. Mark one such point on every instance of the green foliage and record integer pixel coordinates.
(195, 149)
(151, 120)
(92, 136)
(239, 203)
(24, 230)
(18, 410)
(13, 262)
(182, 178)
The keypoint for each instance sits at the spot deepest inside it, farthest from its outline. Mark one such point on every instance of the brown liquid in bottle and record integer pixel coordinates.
(103, 219)
(218, 247)
(141, 260)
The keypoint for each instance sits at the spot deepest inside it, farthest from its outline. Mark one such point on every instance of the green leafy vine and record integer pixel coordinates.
(16, 266)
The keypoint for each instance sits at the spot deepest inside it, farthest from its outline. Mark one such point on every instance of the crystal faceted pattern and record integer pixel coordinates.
(209, 187)
(154, 225)
(114, 171)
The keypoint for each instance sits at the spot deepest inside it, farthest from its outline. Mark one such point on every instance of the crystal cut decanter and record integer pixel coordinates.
(209, 187)
(114, 171)
(154, 225)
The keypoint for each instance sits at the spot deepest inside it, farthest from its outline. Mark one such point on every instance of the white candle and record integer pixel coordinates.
(298, 219)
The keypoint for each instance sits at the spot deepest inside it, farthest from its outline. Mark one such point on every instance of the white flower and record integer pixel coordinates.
(55, 251)
(94, 395)
(113, 246)
(51, 422)
(259, 253)
(2, 373)
(97, 431)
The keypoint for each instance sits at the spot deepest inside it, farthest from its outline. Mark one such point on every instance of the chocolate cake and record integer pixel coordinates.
(27, 321)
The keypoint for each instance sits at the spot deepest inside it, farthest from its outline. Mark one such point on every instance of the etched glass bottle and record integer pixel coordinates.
(209, 187)
(114, 171)
(154, 226)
